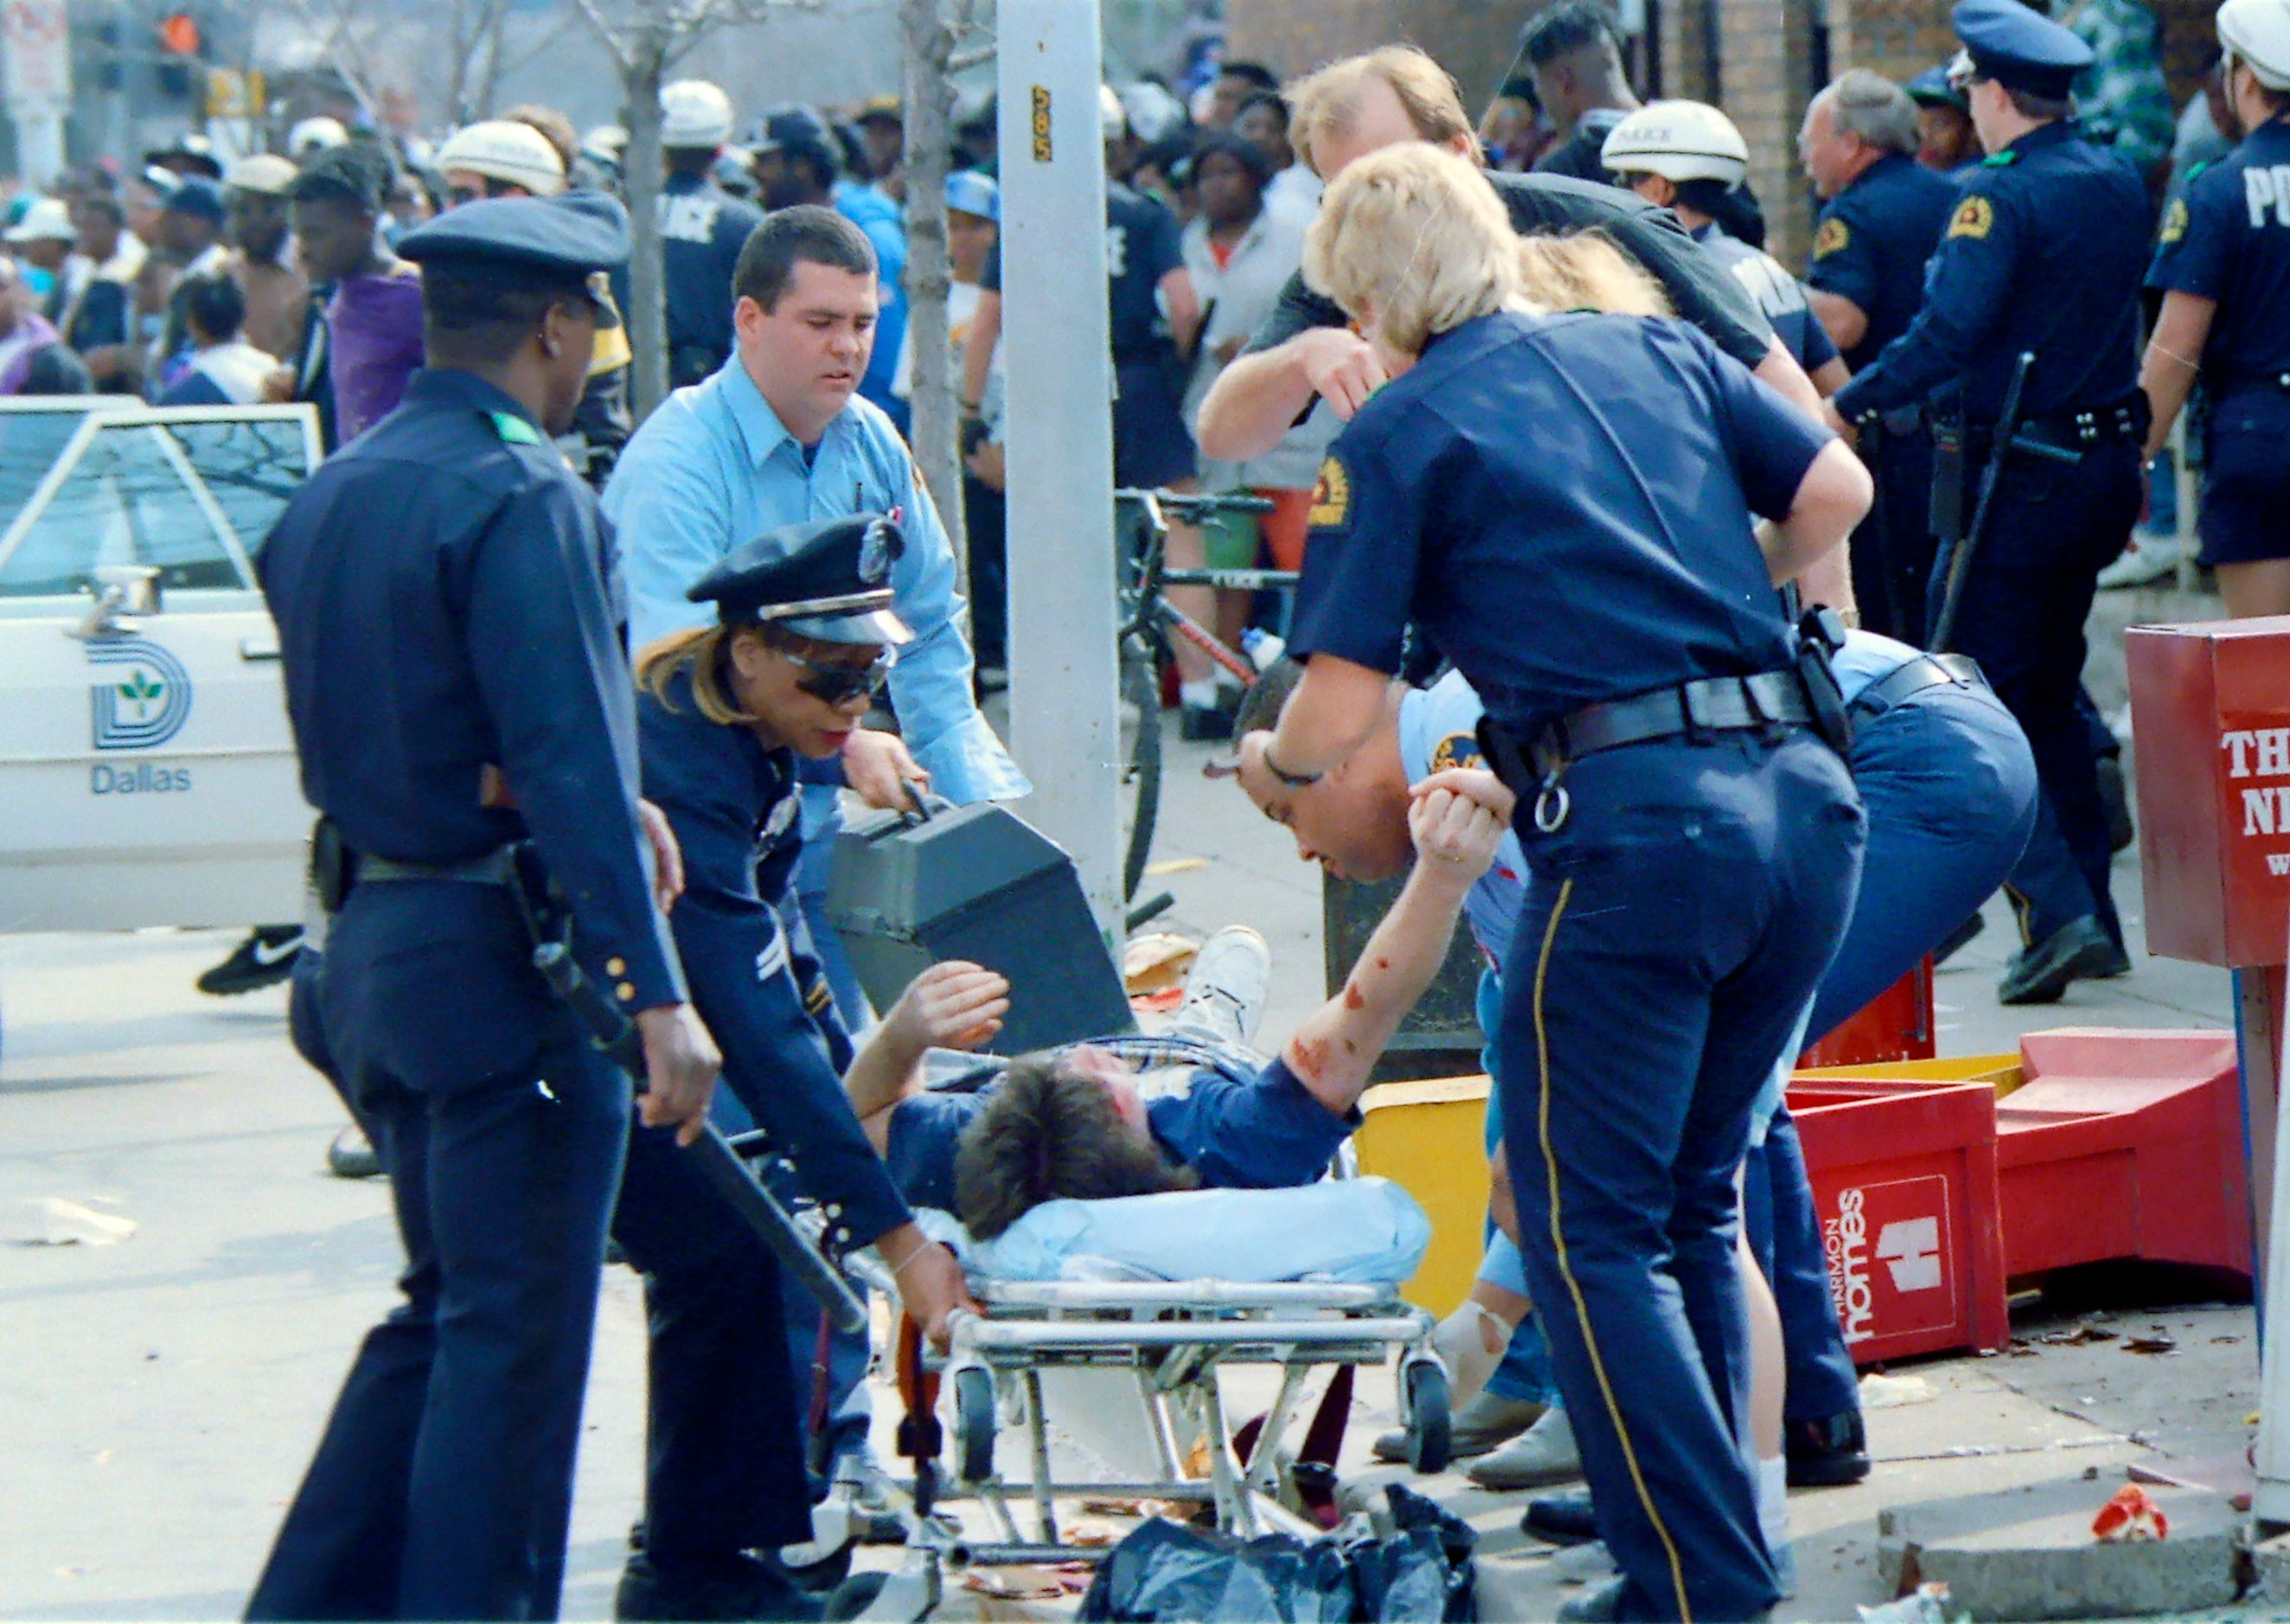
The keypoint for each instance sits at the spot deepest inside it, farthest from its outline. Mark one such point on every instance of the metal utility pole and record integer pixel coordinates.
(1064, 724)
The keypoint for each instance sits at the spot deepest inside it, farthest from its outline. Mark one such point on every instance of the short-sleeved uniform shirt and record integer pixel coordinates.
(2043, 253)
(1873, 241)
(2228, 239)
(1700, 289)
(1564, 505)
(1438, 729)
(1777, 293)
(1238, 1129)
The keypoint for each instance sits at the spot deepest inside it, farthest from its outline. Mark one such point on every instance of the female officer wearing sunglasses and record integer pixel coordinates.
(804, 636)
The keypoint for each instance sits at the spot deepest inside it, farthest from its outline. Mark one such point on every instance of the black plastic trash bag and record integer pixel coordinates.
(1423, 1574)
(1166, 1574)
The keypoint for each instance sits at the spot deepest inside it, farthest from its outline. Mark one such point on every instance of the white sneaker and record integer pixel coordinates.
(1226, 989)
(2150, 559)
(1543, 1453)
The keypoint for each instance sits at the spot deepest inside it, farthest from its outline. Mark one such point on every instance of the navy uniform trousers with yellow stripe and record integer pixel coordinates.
(1673, 928)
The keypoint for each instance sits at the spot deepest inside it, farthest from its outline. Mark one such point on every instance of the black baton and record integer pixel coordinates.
(726, 1169)
(1959, 562)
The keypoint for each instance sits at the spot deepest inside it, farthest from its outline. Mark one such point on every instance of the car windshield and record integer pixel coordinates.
(193, 495)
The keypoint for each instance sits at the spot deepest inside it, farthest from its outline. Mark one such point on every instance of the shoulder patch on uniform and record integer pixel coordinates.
(1832, 236)
(2175, 220)
(515, 430)
(1974, 218)
(1332, 496)
(1456, 750)
(2000, 160)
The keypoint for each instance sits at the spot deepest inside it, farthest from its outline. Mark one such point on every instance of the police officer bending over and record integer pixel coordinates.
(2043, 256)
(1692, 849)
(804, 637)
(449, 649)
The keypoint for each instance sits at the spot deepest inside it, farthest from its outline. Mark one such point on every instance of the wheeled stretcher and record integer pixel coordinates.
(1167, 1342)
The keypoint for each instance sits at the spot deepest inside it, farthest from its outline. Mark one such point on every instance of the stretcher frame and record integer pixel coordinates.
(1174, 1336)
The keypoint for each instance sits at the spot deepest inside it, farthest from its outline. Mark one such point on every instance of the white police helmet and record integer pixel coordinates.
(1112, 117)
(504, 149)
(695, 113)
(1680, 141)
(315, 135)
(2256, 33)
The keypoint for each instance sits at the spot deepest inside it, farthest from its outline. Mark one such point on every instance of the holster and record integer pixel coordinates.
(1821, 633)
(1950, 469)
(333, 866)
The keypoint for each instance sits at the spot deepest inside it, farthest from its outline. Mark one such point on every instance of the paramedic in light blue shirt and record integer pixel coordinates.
(720, 463)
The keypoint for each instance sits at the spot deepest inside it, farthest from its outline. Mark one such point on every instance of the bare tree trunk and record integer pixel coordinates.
(928, 38)
(647, 313)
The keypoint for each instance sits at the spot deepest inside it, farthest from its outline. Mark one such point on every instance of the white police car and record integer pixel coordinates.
(146, 770)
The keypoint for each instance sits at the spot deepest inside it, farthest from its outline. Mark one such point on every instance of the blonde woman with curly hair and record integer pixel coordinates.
(1567, 506)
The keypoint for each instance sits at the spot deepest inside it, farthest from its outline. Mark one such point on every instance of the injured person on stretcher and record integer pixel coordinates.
(1195, 1106)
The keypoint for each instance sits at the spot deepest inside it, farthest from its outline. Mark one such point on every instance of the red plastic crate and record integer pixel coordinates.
(1904, 1186)
(2124, 1145)
(1895, 1024)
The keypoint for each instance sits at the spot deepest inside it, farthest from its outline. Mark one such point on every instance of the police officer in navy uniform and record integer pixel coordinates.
(457, 686)
(1565, 506)
(804, 637)
(2043, 255)
(1882, 217)
(2223, 269)
(703, 228)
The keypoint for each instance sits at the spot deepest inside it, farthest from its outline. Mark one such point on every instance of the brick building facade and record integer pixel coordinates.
(1770, 56)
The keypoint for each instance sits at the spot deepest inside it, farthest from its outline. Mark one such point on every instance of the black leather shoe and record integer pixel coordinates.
(737, 1587)
(2080, 949)
(1827, 1454)
(264, 959)
(1561, 1519)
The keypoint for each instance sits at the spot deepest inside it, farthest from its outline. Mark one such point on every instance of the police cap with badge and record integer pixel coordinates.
(2018, 49)
(564, 244)
(829, 578)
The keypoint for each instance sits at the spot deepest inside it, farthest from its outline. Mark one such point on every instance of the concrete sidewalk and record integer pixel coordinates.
(161, 1390)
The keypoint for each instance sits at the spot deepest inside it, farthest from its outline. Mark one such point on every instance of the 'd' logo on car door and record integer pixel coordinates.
(145, 696)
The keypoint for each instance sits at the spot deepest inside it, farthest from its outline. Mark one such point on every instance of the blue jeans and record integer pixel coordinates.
(1785, 1237)
(1951, 791)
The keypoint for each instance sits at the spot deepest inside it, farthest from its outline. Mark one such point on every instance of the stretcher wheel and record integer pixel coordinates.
(1430, 1443)
(974, 1423)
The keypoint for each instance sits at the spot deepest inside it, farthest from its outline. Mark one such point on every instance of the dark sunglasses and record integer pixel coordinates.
(837, 684)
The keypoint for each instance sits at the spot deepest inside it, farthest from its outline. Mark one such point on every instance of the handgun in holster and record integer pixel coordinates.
(1821, 634)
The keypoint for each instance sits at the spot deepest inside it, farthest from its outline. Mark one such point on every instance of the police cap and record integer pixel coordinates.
(541, 240)
(2018, 49)
(2256, 33)
(829, 579)
(1932, 89)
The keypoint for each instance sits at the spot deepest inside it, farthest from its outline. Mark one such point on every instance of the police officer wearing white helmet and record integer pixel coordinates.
(703, 228)
(499, 157)
(2223, 269)
(1687, 157)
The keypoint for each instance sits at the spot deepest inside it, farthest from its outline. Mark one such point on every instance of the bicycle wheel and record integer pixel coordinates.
(1141, 759)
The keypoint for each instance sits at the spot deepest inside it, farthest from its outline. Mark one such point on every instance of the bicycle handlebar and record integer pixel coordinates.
(1190, 506)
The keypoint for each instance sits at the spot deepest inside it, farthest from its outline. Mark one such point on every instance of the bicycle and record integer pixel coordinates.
(1148, 621)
